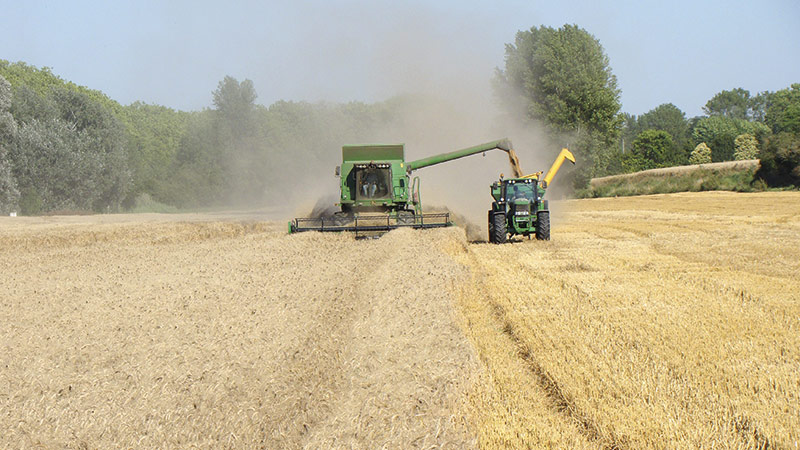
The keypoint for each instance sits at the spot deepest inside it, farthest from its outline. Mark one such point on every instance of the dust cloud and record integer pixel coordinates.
(438, 99)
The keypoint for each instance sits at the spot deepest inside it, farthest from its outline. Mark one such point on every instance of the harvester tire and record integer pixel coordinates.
(498, 227)
(543, 225)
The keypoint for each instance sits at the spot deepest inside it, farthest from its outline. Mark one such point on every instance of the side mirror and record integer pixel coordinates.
(337, 171)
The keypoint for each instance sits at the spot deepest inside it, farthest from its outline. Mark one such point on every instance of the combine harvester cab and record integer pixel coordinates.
(519, 207)
(377, 193)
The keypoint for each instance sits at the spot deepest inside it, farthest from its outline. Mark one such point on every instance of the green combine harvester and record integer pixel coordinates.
(377, 193)
(519, 207)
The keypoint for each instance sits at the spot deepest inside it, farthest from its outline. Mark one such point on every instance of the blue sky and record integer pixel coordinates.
(174, 53)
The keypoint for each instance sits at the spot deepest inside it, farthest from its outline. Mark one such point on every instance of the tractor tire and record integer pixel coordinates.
(491, 227)
(499, 232)
(543, 225)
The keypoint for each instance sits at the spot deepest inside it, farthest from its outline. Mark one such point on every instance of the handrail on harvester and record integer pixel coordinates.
(500, 144)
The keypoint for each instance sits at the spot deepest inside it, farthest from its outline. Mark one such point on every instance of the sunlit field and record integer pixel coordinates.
(668, 321)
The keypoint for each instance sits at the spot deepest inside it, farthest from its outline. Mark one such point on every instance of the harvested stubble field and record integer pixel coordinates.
(668, 321)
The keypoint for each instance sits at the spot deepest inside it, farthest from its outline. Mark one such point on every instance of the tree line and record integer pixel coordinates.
(65, 147)
(562, 78)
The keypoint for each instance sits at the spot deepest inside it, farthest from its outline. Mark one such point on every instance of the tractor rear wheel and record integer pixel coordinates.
(543, 225)
(498, 227)
(491, 227)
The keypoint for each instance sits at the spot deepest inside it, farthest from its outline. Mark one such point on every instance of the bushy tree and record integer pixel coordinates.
(733, 104)
(666, 117)
(153, 136)
(562, 79)
(758, 106)
(720, 134)
(56, 167)
(746, 147)
(234, 100)
(701, 154)
(780, 160)
(71, 157)
(651, 149)
(9, 195)
(783, 110)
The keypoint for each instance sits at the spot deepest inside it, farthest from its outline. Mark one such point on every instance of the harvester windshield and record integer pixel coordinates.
(373, 182)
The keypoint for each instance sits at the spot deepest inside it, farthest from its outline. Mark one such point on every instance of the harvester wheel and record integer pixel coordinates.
(543, 225)
(499, 228)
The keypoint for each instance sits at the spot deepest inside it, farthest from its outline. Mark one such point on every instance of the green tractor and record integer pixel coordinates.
(519, 207)
(377, 193)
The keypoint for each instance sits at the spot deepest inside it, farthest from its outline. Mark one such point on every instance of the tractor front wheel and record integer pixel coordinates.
(498, 228)
(543, 225)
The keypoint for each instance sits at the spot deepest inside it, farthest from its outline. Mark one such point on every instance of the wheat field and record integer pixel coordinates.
(667, 321)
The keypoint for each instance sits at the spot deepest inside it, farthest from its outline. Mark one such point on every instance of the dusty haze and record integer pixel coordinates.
(452, 107)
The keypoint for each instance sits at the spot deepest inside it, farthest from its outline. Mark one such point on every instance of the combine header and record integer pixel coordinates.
(377, 193)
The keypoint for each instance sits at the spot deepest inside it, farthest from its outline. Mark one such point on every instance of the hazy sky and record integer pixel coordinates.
(175, 52)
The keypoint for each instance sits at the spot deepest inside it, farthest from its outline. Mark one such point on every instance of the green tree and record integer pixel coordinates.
(28, 105)
(746, 147)
(780, 160)
(153, 136)
(733, 104)
(701, 154)
(651, 149)
(7, 124)
(628, 131)
(668, 117)
(562, 78)
(56, 167)
(9, 195)
(783, 110)
(235, 102)
(68, 154)
(758, 106)
(720, 133)
(243, 148)
(99, 126)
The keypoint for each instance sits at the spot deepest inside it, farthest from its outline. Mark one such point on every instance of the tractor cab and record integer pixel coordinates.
(521, 196)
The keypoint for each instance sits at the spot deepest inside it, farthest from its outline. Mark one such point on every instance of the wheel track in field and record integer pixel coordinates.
(560, 401)
(745, 429)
